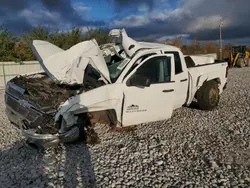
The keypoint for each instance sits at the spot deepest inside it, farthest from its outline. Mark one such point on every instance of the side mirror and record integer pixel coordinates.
(147, 82)
(139, 80)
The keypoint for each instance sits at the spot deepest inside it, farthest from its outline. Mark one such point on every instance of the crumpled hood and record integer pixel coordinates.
(68, 66)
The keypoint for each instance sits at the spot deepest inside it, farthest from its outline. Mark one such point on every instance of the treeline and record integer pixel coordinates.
(16, 48)
(196, 48)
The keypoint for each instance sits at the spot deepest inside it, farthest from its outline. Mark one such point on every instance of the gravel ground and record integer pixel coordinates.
(192, 149)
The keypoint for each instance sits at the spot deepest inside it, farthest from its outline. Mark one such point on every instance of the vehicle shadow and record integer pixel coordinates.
(194, 105)
(78, 166)
(21, 166)
(75, 167)
(67, 165)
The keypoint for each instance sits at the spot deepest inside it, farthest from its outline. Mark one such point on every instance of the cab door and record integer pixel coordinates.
(181, 80)
(149, 91)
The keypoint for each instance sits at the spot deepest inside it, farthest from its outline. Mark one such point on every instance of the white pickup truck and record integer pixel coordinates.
(117, 84)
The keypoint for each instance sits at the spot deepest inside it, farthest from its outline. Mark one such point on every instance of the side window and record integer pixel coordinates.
(178, 66)
(137, 62)
(156, 69)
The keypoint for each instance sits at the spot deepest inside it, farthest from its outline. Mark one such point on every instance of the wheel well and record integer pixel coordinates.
(217, 80)
(108, 117)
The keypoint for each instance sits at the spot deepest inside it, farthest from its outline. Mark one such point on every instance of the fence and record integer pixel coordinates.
(9, 70)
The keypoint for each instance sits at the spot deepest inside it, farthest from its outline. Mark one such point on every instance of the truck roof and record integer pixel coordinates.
(151, 45)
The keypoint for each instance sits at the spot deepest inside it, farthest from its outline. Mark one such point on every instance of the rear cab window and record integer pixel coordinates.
(178, 65)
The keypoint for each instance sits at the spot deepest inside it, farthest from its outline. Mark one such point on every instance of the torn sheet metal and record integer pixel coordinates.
(129, 45)
(68, 66)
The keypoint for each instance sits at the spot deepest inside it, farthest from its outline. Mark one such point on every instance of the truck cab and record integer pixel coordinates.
(157, 76)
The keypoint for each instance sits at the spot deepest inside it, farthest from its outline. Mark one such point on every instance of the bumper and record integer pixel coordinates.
(42, 141)
(22, 116)
(49, 140)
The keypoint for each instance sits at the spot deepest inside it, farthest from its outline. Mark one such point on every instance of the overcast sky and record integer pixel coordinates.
(157, 19)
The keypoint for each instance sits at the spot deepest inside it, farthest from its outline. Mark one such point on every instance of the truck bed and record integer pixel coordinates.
(191, 63)
(200, 73)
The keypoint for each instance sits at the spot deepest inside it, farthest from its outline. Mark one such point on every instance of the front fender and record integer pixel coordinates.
(102, 98)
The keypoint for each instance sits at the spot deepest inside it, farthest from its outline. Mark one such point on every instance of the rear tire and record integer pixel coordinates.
(208, 95)
(240, 62)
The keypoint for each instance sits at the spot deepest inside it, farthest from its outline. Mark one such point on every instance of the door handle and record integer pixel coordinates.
(169, 90)
(184, 80)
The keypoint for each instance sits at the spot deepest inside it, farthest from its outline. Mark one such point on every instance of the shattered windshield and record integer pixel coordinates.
(116, 68)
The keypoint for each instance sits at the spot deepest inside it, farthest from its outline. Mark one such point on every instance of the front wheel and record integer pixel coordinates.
(208, 95)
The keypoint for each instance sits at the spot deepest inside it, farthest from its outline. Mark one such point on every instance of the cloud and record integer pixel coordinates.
(45, 17)
(164, 38)
(13, 5)
(22, 15)
(157, 23)
(65, 9)
(130, 22)
(153, 19)
(198, 18)
(21, 25)
(82, 8)
(9, 15)
(143, 8)
(123, 4)
(206, 23)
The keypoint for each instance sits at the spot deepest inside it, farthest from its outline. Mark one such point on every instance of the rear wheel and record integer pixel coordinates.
(208, 95)
(240, 62)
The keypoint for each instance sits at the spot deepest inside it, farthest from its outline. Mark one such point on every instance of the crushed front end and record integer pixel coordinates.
(31, 103)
